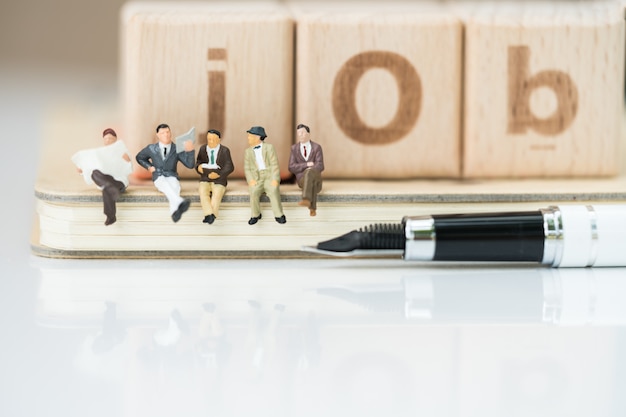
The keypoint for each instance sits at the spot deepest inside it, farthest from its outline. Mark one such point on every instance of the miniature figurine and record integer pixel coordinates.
(214, 165)
(306, 162)
(161, 159)
(262, 174)
(108, 167)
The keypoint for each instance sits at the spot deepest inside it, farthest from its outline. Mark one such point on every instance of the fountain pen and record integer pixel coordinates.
(558, 236)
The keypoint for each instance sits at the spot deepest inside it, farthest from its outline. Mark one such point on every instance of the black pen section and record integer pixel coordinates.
(516, 237)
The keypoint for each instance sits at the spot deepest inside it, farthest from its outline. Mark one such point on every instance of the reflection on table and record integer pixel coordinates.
(343, 338)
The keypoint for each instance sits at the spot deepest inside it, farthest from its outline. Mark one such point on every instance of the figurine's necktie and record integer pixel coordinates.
(212, 158)
(304, 148)
(164, 152)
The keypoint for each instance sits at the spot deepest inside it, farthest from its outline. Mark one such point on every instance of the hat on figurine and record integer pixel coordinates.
(258, 130)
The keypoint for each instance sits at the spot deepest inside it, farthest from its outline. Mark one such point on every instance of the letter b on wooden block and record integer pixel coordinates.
(544, 90)
(209, 65)
(521, 86)
(380, 89)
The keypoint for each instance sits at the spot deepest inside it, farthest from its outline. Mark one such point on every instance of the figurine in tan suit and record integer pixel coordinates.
(262, 174)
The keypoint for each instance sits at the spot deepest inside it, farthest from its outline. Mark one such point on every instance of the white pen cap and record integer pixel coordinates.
(583, 236)
(611, 221)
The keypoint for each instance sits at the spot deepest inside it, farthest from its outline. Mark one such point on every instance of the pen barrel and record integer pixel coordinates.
(514, 236)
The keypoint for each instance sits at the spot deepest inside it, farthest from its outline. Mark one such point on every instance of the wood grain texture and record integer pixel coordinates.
(543, 88)
(212, 65)
(380, 87)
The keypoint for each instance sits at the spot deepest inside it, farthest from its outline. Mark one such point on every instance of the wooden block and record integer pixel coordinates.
(380, 87)
(225, 66)
(543, 89)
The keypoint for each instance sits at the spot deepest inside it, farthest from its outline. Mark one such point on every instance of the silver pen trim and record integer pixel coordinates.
(554, 231)
(553, 236)
(420, 238)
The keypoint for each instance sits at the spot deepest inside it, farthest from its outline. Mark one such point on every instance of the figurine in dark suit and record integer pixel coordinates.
(306, 162)
(214, 165)
(161, 159)
(262, 174)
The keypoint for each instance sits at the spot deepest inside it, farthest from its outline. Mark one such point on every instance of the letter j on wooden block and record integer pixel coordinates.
(210, 65)
(380, 87)
(543, 89)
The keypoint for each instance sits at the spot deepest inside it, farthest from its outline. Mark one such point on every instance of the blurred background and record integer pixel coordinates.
(60, 36)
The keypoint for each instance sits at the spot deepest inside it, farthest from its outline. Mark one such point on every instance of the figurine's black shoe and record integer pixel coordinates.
(209, 219)
(253, 220)
(282, 219)
(182, 207)
(110, 220)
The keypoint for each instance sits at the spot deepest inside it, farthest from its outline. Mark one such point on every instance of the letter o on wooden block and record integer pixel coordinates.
(380, 85)
(344, 92)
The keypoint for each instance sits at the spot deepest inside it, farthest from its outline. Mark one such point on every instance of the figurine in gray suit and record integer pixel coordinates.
(161, 159)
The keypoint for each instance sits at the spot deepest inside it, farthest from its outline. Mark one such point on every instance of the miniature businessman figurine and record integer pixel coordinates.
(262, 174)
(214, 166)
(161, 159)
(108, 167)
(306, 162)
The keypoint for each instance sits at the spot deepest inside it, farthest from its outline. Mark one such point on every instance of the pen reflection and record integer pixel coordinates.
(340, 340)
(577, 296)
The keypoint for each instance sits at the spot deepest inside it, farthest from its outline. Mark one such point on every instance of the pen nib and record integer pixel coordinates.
(375, 237)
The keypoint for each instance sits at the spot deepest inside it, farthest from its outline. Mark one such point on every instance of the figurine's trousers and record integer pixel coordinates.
(170, 186)
(311, 184)
(264, 185)
(211, 197)
(111, 189)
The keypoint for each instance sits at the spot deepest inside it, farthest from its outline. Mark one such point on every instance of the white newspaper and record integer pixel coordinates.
(107, 159)
(180, 140)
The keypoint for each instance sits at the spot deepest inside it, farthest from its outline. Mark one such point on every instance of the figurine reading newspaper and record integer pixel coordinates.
(108, 167)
